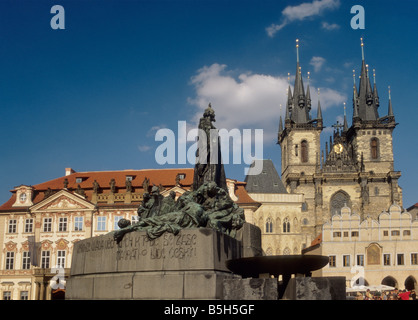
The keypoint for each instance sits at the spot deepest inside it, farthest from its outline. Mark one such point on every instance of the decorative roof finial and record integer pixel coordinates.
(362, 49)
(374, 76)
(297, 50)
(390, 108)
(309, 77)
(354, 76)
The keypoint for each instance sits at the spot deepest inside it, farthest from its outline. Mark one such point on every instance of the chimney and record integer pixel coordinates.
(69, 171)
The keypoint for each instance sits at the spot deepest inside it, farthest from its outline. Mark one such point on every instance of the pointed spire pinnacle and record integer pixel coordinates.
(355, 96)
(280, 121)
(319, 114)
(375, 94)
(390, 110)
(362, 49)
(288, 103)
(345, 128)
(308, 94)
(297, 50)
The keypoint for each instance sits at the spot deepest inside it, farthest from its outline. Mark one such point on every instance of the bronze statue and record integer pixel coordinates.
(208, 205)
(209, 167)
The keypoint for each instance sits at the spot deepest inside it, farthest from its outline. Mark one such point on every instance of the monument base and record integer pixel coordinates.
(189, 265)
(308, 288)
(251, 289)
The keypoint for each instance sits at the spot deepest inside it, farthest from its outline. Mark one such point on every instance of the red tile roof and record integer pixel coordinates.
(165, 177)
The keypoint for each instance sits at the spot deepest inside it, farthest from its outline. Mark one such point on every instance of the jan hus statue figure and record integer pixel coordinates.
(209, 166)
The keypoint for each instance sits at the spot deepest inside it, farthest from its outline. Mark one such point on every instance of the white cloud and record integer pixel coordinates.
(249, 101)
(151, 132)
(302, 11)
(144, 148)
(333, 26)
(317, 63)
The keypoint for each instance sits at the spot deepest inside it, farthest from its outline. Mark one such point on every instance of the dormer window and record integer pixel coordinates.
(78, 180)
(23, 197)
(129, 178)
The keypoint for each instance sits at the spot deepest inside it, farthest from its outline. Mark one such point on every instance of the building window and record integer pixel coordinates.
(386, 259)
(304, 151)
(24, 295)
(286, 225)
(374, 148)
(346, 260)
(135, 219)
(61, 258)
(78, 223)
(360, 260)
(7, 295)
(26, 260)
(414, 258)
(62, 226)
(47, 224)
(385, 233)
(45, 259)
(269, 226)
(406, 232)
(345, 234)
(29, 225)
(116, 220)
(101, 223)
(332, 261)
(10, 260)
(395, 233)
(12, 225)
(336, 234)
(339, 200)
(400, 259)
(354, 233)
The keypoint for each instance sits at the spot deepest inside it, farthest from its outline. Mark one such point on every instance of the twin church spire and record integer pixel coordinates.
(299, 103)
(365, 99)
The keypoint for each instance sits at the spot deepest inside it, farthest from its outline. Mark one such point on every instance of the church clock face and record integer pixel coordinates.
(338, 148)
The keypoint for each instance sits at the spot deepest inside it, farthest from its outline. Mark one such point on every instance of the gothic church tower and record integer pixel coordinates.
(299, 140)
(357, 167)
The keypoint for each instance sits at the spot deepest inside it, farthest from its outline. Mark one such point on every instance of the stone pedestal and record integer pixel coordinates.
(190, 265)
(308, 288)
(251, 289)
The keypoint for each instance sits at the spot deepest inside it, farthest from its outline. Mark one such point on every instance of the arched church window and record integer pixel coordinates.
(339, 200)
(286, 225)
(269, 226)
(304, 151)
(374, 147)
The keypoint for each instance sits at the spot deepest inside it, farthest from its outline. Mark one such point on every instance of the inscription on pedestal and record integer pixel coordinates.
(190, 249)
(168, 246)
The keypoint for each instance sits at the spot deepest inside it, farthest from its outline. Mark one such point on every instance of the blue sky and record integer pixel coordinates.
(92, 96)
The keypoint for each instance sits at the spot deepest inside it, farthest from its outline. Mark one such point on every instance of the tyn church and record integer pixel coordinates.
(355, 170)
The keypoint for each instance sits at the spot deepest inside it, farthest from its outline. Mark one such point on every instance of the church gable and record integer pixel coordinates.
(63, 200)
